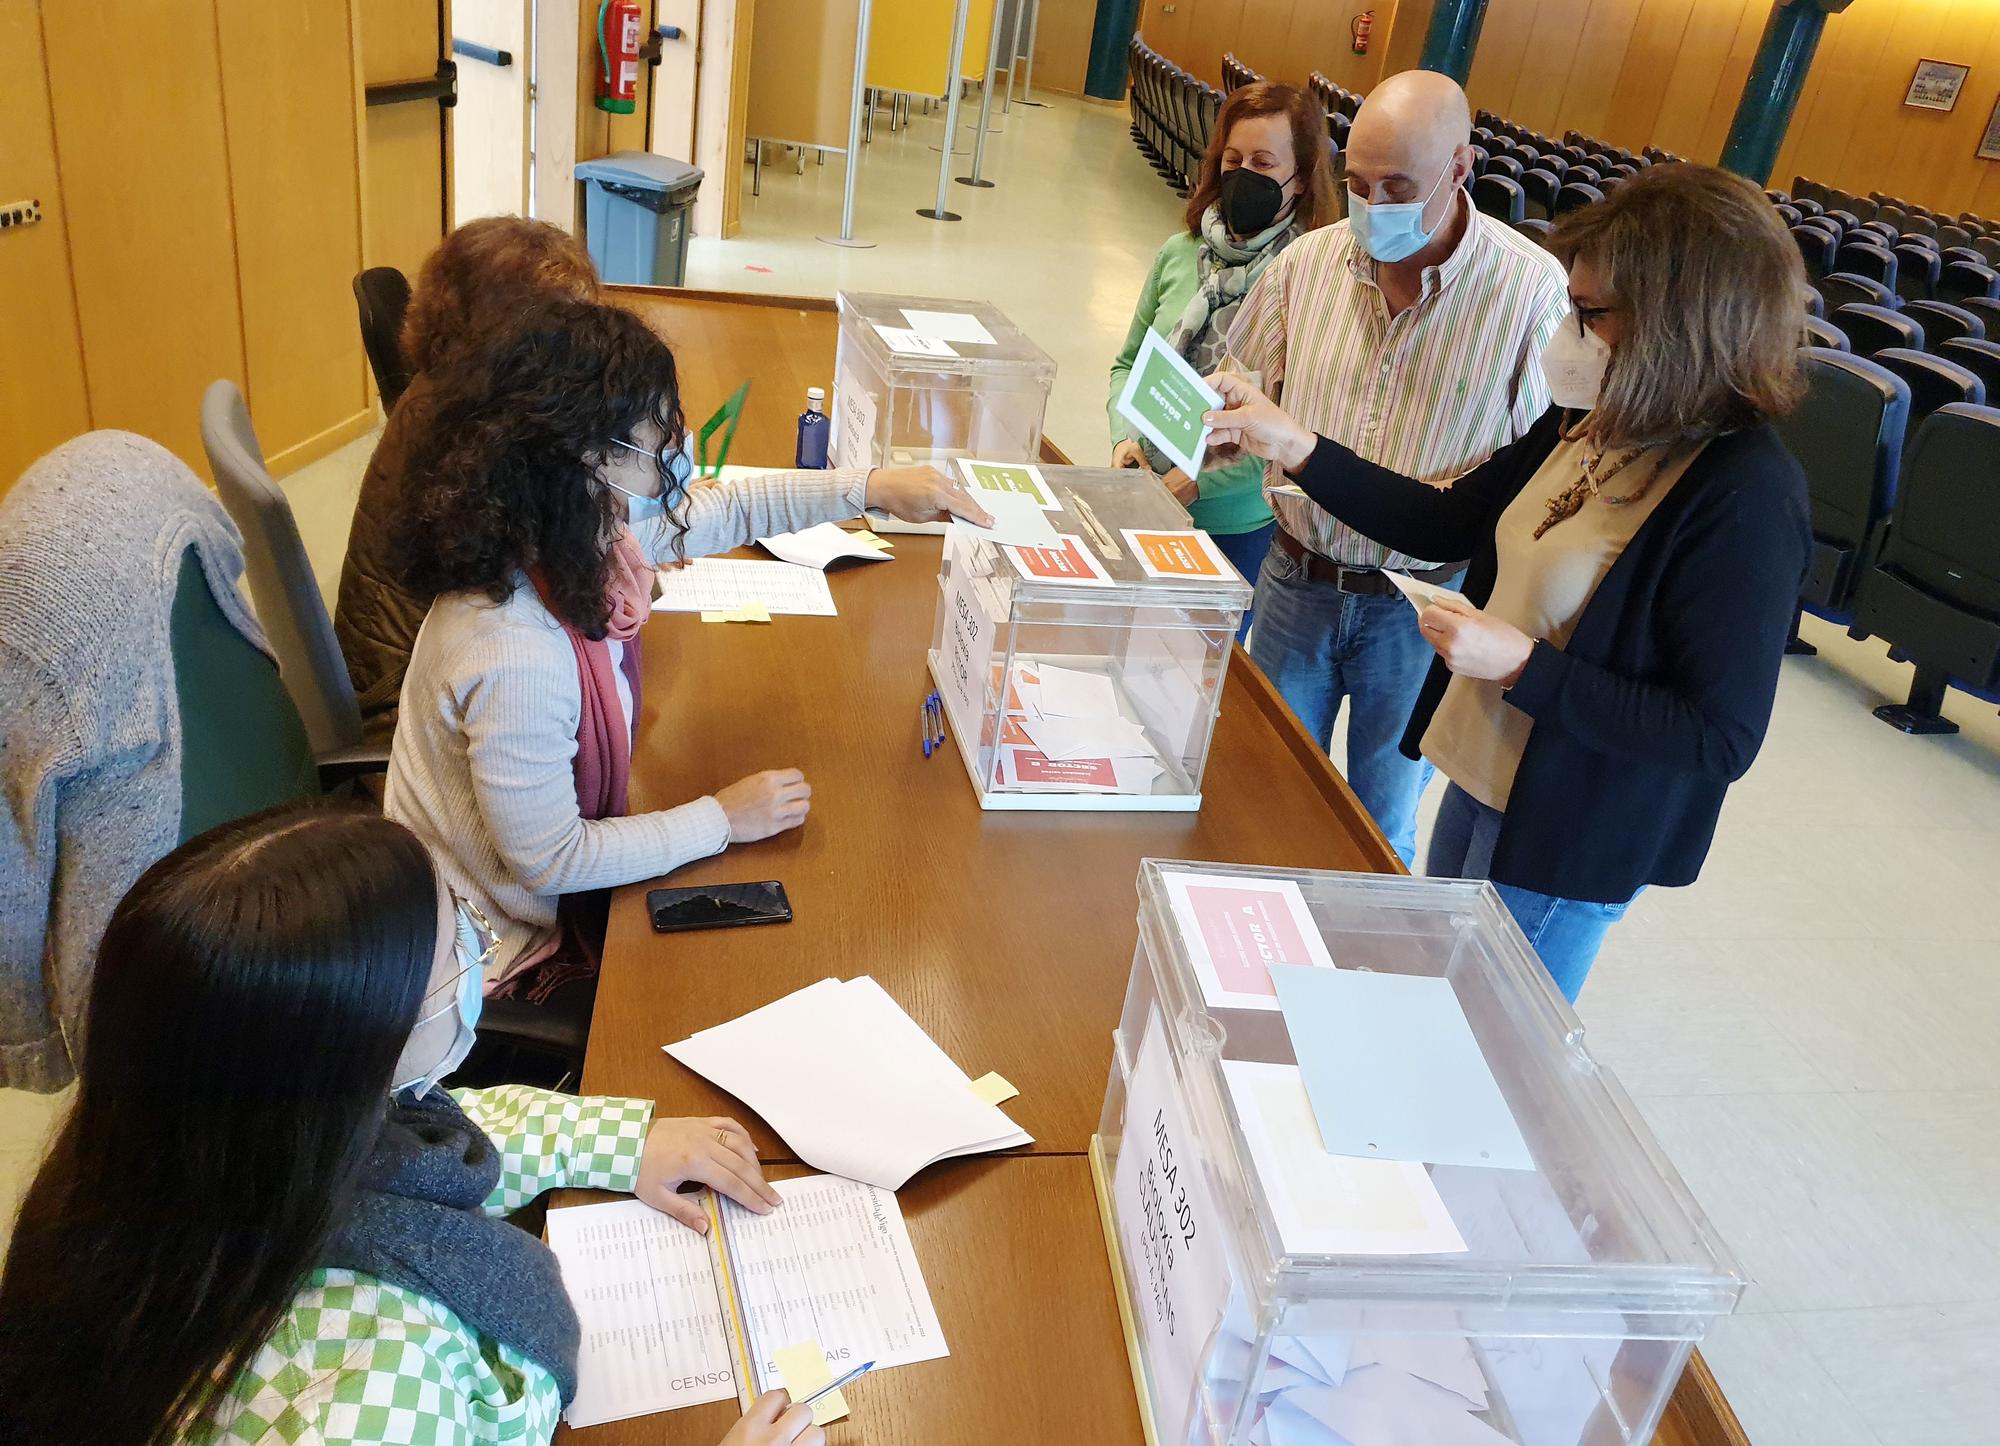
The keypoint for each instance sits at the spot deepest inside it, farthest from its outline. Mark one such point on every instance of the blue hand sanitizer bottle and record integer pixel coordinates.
(812, 431)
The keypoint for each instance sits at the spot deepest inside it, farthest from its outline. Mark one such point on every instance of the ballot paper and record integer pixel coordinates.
(1186, 552)
(949, 326)
(1017, 518)
(1377, 1406)
(833, 1264)
(1422, 594)
(851, 1082)
(984, 478)
(1065, 738)
(729, 584)
(1068, 693)
(1235, 927)
(1394, 1069)
(1331, 1204)
(1070, 560)
(817, 546)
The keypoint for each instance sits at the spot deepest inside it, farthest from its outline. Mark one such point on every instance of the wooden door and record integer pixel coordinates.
(42, 395)
(408, 152)
(490, 41)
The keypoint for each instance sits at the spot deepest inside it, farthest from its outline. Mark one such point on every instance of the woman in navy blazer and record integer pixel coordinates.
(1636, 557)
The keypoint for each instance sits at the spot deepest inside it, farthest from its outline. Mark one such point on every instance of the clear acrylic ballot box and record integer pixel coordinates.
(1278, 1294)
(921, 379)
(1087, 676)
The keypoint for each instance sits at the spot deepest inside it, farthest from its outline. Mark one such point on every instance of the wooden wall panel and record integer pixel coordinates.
(404, 166)
(145, 174)
(294, 154)
(42, 396)
(1062, 47)
(1591, 89)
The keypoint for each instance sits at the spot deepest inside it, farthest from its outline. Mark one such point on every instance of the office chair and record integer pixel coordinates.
(382, 296)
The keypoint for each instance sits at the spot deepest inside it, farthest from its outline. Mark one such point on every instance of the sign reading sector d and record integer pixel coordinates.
(1164, 398)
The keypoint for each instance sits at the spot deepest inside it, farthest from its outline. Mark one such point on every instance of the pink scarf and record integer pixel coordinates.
(603, 768)
(603, 765)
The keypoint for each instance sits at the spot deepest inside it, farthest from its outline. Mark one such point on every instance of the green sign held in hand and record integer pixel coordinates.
(1164, 398)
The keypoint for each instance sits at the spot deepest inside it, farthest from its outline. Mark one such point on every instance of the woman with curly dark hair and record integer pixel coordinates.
(551, 479)
(480, 273)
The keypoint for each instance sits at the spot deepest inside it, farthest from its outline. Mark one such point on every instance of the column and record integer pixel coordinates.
(1777, 76)
(1452, 37)
(1109, 35)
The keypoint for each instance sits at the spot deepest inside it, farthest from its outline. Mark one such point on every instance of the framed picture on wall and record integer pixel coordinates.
(1989, 144)
(1936, 85)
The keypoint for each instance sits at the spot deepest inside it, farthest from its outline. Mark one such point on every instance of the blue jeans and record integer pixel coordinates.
(1566, 933)
(1245, 551)
(1320, 645)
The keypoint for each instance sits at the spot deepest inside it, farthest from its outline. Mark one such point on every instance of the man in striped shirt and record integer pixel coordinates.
(1410, 332)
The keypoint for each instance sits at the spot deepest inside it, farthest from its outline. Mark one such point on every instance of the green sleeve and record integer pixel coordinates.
(550, 1141)
(1135, 336)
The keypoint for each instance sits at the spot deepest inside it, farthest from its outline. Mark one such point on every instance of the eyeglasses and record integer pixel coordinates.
(1589, 316)
(477, 945)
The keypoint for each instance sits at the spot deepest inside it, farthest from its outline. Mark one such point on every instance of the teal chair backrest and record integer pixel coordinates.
(243, 747)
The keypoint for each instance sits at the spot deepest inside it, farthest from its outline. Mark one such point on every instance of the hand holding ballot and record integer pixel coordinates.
(716, 1153)
(1252, 423)
(1475, 644)
(921, 494)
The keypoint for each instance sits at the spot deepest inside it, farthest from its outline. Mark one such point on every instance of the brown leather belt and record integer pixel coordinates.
(1362, 581)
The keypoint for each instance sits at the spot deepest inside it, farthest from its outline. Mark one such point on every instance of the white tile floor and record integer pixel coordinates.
(1811, 1028)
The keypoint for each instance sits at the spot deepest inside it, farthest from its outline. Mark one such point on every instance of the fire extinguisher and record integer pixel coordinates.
(618, 27)
(1359, 31)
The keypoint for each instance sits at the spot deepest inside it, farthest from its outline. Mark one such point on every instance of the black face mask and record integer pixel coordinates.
(1250, 200)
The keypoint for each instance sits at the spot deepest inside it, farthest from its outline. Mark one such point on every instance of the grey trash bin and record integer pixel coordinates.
(636, 216)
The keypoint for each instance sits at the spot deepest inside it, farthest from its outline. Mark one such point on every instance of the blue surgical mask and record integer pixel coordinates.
(1393, 231)
(676, 470)
(474, 948)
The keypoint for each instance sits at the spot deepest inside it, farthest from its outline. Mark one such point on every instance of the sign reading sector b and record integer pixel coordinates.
(1164, 398)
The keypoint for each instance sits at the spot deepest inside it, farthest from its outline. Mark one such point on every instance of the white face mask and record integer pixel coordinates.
(1574, 363)
(473, 949)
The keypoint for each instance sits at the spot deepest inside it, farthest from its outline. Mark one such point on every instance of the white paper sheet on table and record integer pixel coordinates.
(832, 1264)
(1067, 693)
(850, 1082)
(825, 543)
(1062, 738)
(720, 584)
(948, 326)
(1331, 1204)
(644, 1292)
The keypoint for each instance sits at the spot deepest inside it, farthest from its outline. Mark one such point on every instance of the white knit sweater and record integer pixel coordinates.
(482, 764)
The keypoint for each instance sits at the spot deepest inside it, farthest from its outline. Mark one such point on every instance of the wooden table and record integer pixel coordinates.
(1008, 936)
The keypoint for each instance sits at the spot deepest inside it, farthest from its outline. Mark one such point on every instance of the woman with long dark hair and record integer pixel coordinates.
(553, 477)
(1636, 557)
(261, 1220)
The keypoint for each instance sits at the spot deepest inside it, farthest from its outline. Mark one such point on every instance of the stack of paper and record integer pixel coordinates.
(851, 1082)
(1064, 732)
(831, 1267)
(824, 544)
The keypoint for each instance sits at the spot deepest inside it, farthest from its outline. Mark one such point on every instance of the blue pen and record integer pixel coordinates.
(831, 1386)
(924, 724)
(937, 713)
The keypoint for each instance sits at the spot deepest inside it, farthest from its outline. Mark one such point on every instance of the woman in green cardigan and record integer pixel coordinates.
(1267, 178)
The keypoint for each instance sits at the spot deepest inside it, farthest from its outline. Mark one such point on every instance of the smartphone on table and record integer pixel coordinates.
(718, 906)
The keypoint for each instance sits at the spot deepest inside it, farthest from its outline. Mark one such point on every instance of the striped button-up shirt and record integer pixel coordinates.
(1431, 392)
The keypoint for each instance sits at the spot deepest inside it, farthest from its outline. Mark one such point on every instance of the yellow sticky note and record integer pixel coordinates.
(993, 1089)
(748, 613)
(803, 1369)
